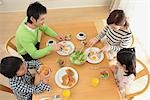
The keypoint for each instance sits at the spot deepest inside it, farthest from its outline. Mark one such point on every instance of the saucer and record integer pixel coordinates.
(81, 36)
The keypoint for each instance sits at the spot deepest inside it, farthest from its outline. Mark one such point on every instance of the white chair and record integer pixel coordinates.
(5, 89)
(133, 40)
(142, 75)
(10, 47)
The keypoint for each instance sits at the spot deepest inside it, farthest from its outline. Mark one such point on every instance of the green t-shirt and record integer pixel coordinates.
(26, 39)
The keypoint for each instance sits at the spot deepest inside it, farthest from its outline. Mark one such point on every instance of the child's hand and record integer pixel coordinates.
(57, 47)
(38, 79)
(93, 41)
(113, 68)
(60, 37)
(45, 78)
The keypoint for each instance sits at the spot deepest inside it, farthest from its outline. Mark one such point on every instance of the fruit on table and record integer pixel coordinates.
(78, 58)
(44, 70)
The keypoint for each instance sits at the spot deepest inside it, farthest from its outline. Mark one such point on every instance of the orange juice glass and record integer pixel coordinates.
(66, 93)
(95, 82)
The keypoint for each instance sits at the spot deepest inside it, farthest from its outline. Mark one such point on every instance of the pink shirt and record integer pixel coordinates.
(123, 82)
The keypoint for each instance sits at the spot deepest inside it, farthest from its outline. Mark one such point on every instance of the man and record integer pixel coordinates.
(27, 34)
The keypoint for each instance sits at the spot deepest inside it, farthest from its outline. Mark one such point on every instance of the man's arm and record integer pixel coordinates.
(32, 50)
(48, 31)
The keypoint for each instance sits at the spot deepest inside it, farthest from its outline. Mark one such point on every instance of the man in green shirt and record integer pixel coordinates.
(27, 34)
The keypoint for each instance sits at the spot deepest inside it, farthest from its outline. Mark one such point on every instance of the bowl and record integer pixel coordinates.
(78, 58)
(104, 74)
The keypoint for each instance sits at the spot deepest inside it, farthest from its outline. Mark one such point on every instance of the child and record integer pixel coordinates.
(117, 34)
(20, 78)
(125, 69)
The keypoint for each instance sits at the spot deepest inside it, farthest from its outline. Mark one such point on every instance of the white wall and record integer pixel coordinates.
(138, 12)
(21, 5)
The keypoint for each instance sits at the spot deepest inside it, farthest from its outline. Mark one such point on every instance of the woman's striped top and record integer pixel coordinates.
(117, 39)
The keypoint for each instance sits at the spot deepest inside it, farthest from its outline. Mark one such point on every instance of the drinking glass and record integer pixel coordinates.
(95, 81)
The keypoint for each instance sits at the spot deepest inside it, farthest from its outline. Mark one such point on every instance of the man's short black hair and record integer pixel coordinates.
(10, 65)
(35, 10)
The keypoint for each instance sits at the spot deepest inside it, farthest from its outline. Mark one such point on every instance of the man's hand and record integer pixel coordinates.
(57, 47)
(60, 37)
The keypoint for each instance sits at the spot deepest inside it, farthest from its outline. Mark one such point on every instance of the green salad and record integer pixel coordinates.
(104, 74)
(78, 58)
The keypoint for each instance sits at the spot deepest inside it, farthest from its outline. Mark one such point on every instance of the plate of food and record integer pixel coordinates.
(94, 55)
(50, 42)
(78, 57)
(66, 77)
(67, 49)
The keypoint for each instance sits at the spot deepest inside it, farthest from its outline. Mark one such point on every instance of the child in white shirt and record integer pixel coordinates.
(125, 69)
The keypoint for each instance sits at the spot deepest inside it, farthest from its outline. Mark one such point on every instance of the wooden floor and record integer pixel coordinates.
(9, 23)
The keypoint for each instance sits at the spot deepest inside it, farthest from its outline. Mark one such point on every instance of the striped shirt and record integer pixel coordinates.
(117, 39)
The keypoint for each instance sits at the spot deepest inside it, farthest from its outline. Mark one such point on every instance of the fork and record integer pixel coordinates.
(98, 53)
(56, 97)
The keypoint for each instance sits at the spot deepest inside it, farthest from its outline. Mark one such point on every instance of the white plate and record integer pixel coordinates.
(61, 72)
(68, 48)
(94, 59)
(50, 42)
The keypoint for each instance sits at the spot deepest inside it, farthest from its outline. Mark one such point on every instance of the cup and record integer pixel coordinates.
(66, 93)
(95, 82)
(50, 42)
(81, 36)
